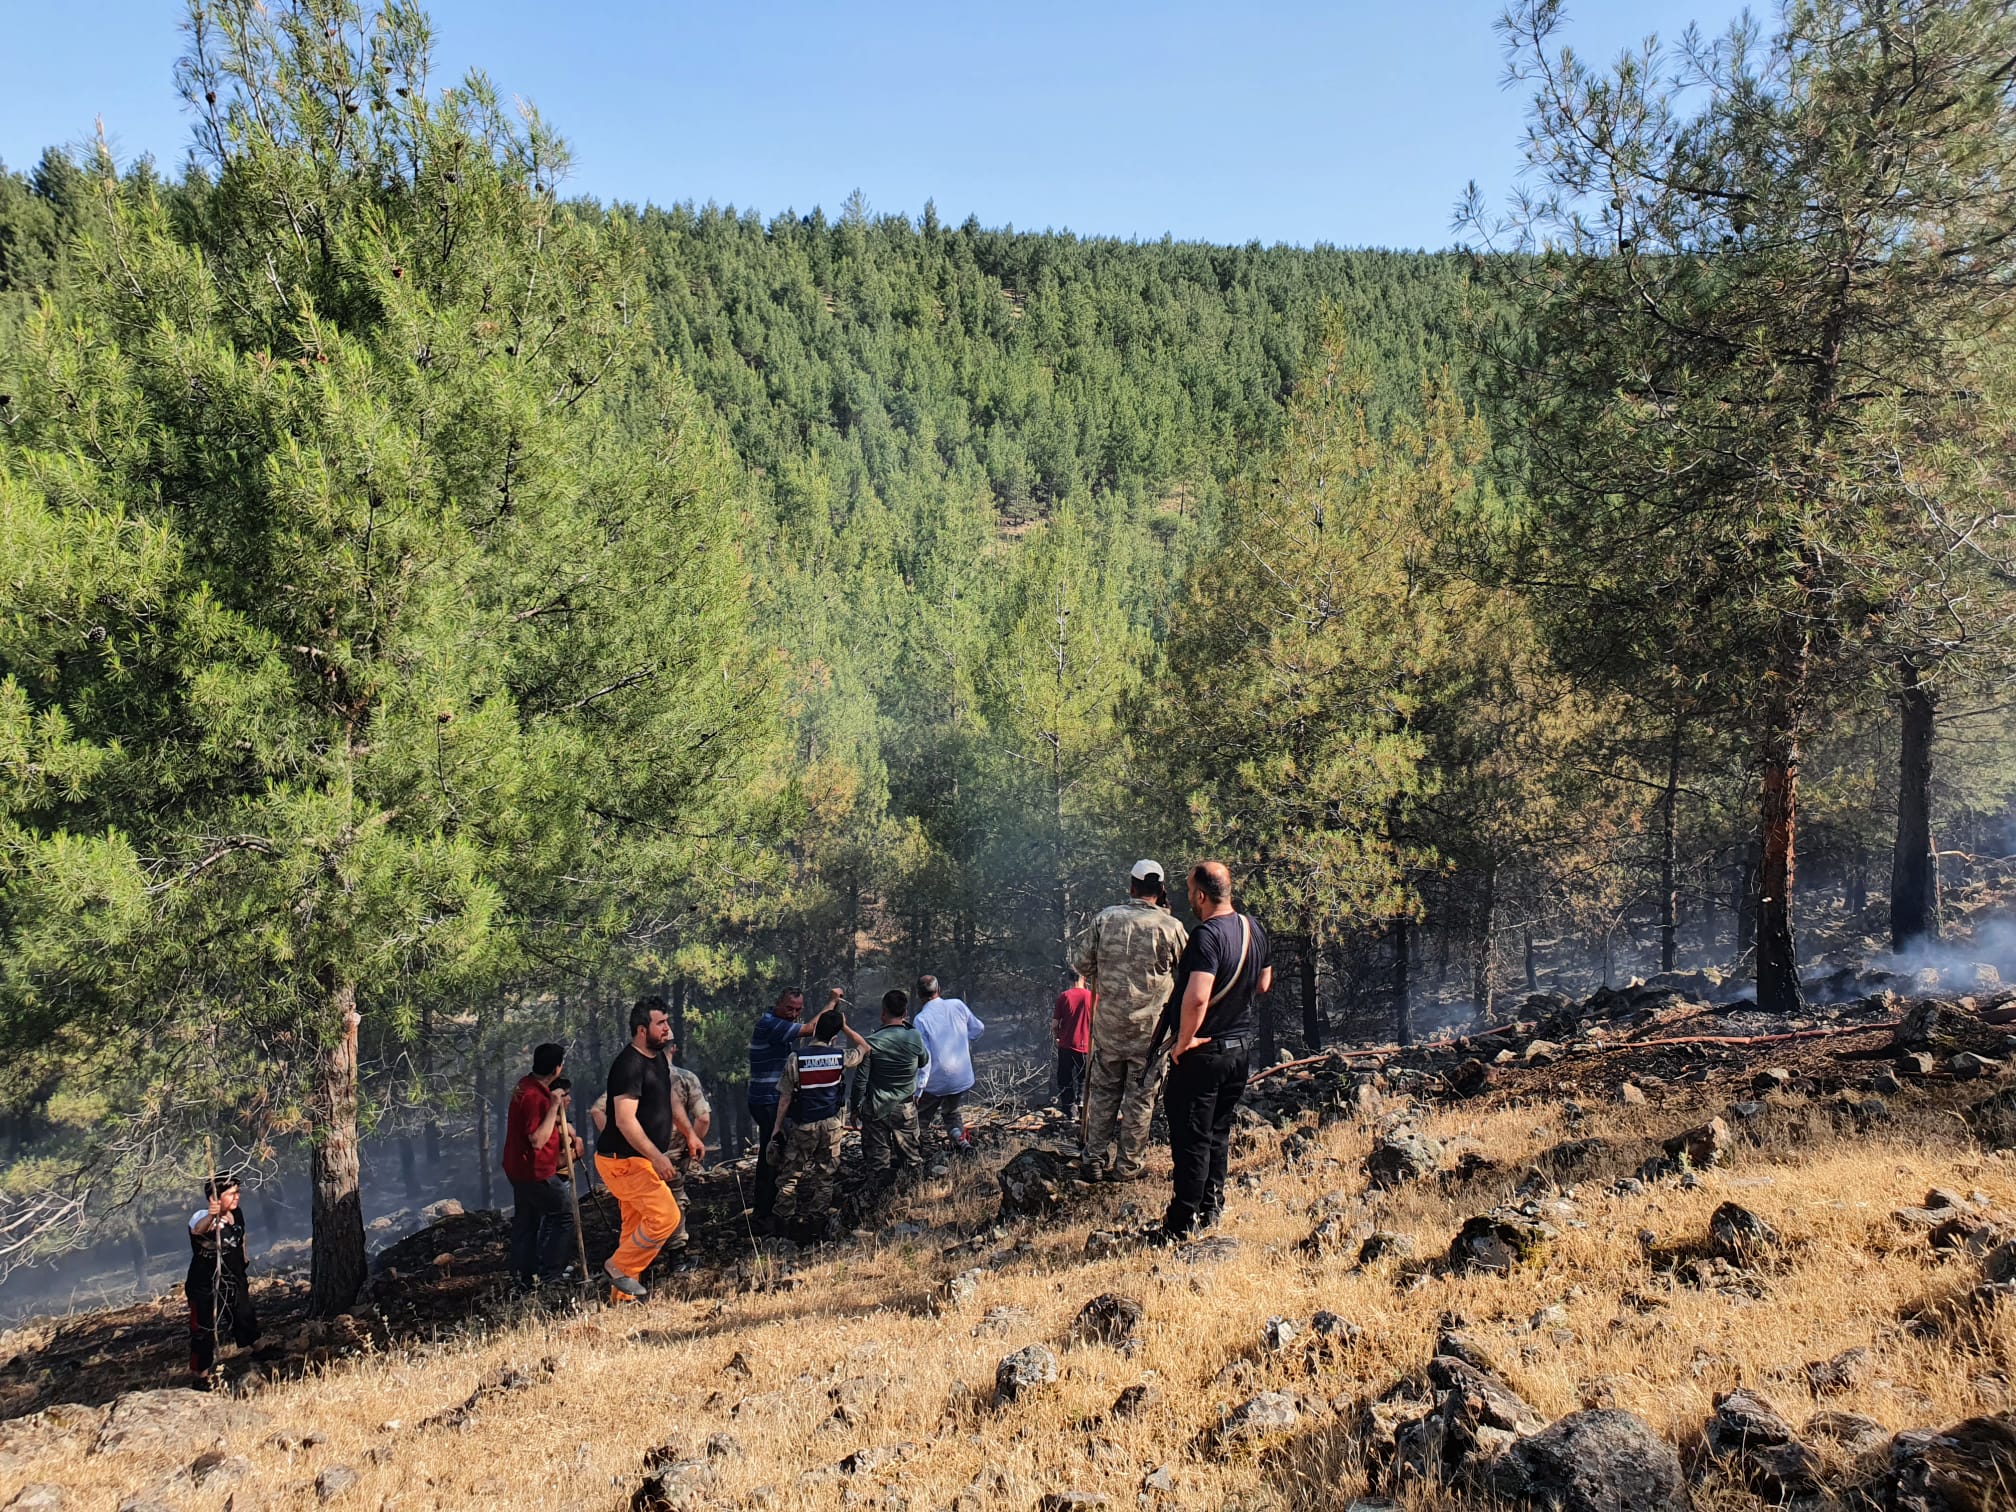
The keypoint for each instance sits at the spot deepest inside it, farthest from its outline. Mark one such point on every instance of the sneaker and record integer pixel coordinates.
(624, 1288)
(1129, 1172)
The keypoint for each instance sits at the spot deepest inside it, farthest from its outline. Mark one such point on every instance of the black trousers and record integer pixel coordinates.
(1070, 1077)
(764, 1116)
(231, 1310)
(1200, 1097)
(542, 1228)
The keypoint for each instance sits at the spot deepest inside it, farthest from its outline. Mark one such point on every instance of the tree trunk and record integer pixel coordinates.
(1669, 848)
(1483, 962)
(1403, 1018)
(336, 1266)
(1914, 913)
(409, 1173)
(1532, 963)
(433, 1122)
(485, 1191)
(1777, 957)
(1312, 1010)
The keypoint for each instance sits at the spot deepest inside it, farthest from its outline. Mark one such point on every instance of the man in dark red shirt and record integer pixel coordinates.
(542, 1217)
(1071, 1027)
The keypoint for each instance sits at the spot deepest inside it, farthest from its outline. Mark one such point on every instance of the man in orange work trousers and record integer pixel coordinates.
(631, 1151)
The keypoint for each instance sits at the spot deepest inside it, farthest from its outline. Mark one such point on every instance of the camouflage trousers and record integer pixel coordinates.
(1119, 1105)
(809, 1168)
(889, 1150)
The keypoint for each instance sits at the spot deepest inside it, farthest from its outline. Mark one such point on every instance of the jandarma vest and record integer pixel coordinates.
(820, 1074)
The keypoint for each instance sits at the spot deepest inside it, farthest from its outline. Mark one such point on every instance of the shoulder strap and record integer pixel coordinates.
(1245, 940)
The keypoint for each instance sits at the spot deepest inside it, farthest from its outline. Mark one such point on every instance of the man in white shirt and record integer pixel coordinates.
(947, 1027)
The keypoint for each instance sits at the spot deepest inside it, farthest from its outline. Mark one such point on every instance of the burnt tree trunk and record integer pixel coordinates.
(433, 1121)
(1403, 1018)
(1312, 1010)
(1532, 962)
(1483, 959)
(1914, 911)
(1778, 816)
(336, 1265)
(1669, 850)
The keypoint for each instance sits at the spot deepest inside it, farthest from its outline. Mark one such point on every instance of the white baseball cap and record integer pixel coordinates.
(1144, 869)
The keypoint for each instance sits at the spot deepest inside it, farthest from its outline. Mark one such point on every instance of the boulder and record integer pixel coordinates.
(674, 1486)
(1108, 1318)
(1385, 1244)
(1631, 1095)
(1926, 1026)
(1758, 1443)
(1032, 1183)
(961, 1290)
(1849, 1432)
(1967, 1066)
(1135, 1400)
(1702, 1147)
(1471, 1077)
(172, 1420)
(1736, 1233)
(1968, 1467)
(1256, 1422)
(332, 1481)
(1844, 1372)
(1402, 1156)
(1602, 1460)
(40, 1497)
(1023, 1373)
(1496, 1243)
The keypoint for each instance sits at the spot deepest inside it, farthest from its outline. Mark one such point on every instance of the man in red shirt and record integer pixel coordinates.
(542, 1217)
(1071, 1027)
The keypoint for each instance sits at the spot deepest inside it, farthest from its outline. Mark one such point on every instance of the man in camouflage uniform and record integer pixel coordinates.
(1128, 958)
(806, 1142)
(885, 1099)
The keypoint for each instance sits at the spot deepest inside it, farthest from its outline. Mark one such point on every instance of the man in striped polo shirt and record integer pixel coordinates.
(771, 1042)
(810, 1121)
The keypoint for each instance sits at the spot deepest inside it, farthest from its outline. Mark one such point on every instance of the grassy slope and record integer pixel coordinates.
(628, 1380)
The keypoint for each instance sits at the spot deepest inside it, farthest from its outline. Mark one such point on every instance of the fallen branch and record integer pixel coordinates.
(1763, 1039)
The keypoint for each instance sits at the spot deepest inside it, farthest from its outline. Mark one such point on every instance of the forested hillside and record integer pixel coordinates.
(441, 610)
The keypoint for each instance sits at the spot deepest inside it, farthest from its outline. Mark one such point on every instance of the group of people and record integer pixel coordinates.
(652, 1122)
(1153, 1009)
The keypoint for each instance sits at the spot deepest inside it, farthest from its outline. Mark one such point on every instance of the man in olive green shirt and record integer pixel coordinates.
(1127, 956)
(885, 1098)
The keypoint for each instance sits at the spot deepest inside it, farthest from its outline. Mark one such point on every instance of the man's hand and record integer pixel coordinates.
(1185, 1048)
(580, 1149)
(215, 1207)
(662, 1168)
(834, 995)
(696, 1147)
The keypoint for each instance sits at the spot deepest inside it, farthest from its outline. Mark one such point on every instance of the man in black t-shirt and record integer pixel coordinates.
(1224, 967)
(631, 1152)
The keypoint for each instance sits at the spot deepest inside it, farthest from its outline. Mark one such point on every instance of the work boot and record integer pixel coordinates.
(1129, 1171)
(624, 1288)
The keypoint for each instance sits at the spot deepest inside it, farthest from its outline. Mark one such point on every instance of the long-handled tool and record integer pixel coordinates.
(574, 1198)
(217, 1248)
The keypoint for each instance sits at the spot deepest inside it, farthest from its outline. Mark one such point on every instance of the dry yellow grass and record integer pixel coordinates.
(627, 1380)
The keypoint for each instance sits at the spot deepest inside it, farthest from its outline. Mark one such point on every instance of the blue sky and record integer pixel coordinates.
(1356, 122)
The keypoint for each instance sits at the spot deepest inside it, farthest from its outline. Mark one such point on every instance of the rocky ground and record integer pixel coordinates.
(1628, 1253)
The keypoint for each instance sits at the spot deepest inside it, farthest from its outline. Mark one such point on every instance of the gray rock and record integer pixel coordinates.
(674, 1486)
(39, 1497)
(333, 1480)
(1107, 1319)
(213, 1469)
(1968, 1467)
(1024, 1372)
(1279, 1333)
(1967, 1066)
(1736, 1233)
(1032, 1183)
(961, 1290)
(1384, 1245)
(1631, 1095)
(1604, 1460)
(1329, 1236)
(1159, 1481)
(1844, 1372)
(1702, 1147)
(1759, 1443)
(1916, 1063)
(1402, 1156)
(1851, 1432)
(1471, 1077)
(1070, 1501)
(1257, 1420)
(1135, 1400)
(172, 1420)
(1497, 1243)
(1541, 1052)
(1771, 1079)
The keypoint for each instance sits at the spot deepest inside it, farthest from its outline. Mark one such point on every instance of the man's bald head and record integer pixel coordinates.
(1212, 879)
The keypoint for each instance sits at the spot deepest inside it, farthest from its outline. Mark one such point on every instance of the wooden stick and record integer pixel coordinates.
(574, 1197)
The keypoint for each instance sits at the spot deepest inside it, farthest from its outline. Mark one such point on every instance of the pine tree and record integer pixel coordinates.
(376, 596)
(1726, 322)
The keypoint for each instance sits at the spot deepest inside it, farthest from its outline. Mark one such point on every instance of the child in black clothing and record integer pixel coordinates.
(219, 1293)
